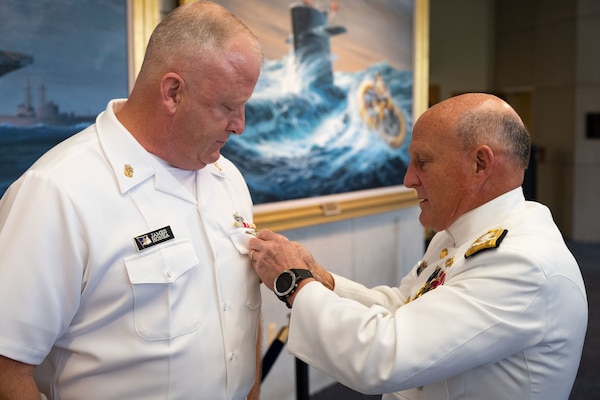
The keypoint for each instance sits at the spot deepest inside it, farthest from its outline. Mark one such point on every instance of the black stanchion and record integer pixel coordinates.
(273, 351)
(301, 380)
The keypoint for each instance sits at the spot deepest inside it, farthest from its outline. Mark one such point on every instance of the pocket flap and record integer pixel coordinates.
(162, 265)
(240, 238)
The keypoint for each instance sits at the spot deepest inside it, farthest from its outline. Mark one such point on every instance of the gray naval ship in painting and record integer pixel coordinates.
(46, 112)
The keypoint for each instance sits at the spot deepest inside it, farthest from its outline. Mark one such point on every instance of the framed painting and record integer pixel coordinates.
(328, 125)
(61, 61)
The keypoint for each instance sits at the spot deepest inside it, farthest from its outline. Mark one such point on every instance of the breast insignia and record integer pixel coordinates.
(489, 240)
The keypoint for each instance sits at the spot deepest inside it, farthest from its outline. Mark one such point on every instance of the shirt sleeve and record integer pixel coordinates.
(478, 316)
(41, 267)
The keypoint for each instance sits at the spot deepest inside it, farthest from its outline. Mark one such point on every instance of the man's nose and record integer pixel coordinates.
(238, 122)
(410, 179)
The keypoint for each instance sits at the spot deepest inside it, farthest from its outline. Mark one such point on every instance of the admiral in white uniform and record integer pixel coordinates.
(501, 317)
(495, 310)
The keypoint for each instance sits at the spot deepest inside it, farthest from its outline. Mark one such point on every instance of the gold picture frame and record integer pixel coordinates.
(145, 14)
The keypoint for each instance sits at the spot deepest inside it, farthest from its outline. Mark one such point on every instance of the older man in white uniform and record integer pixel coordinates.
(496, 309)
(123, 267)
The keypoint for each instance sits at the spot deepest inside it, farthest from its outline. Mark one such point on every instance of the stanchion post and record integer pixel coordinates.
(301, 380)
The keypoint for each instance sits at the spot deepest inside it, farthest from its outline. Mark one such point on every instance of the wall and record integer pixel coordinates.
(377, 249)
(555, 43)
(586, 169)
(461, 45)
(544, 56)
(540, 38)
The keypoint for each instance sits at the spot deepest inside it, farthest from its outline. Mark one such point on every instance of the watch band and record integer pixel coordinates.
(286, 283)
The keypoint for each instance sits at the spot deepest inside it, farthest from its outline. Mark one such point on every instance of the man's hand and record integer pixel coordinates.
(272, 253)
(319, 273)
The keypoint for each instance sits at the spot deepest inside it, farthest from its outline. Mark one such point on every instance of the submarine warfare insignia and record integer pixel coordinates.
(489, 240)
(238, 222)
(153, 238)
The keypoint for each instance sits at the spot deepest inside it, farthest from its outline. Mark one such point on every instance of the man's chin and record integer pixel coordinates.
(212, 158)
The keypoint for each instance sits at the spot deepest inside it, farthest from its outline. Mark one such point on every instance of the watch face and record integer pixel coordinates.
(283, 283)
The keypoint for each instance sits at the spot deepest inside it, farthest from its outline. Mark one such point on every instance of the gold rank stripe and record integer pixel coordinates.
(489, 240)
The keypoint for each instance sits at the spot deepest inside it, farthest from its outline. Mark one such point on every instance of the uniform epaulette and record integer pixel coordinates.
(489, 240)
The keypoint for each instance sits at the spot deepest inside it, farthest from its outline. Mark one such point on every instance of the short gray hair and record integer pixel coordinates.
(498, 130)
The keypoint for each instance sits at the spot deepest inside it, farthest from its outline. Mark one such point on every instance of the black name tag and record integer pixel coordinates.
(153, 238)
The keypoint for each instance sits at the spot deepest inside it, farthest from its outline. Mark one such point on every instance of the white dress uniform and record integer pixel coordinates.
(496, 310)
(120, 281)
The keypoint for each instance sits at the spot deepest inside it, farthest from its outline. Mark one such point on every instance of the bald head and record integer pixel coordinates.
(465, 151)
(481, 118)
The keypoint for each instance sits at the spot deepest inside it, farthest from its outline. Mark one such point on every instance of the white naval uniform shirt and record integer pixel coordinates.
(507, 322)
(177, 320)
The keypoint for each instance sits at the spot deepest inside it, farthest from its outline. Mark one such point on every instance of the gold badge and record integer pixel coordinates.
(217, 166)
(443, 253)
(489, 240)
(128, 171)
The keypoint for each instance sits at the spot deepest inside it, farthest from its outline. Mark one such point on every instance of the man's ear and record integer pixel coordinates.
(171, 88)
(483, 161)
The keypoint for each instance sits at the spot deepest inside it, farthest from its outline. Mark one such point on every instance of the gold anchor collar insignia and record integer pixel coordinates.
(489, 240)
(128, 171)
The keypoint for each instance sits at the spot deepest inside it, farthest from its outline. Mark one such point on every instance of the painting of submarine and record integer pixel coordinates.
(312, 130)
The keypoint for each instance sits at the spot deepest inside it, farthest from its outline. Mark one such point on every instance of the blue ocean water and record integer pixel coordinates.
(301, 140)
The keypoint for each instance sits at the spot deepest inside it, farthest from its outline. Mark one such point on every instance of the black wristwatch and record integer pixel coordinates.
(286, 283)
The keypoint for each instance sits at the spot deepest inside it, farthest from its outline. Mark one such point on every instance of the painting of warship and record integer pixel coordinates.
(57, 72)
(312, 130)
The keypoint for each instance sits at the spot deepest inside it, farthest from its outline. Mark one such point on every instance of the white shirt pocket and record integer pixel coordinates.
(166, 299)
(240, 239)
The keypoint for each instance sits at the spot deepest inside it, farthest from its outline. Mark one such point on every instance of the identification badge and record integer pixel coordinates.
(153, 238)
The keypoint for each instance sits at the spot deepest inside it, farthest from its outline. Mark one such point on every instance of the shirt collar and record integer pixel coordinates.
(485, 217)
(131, 163)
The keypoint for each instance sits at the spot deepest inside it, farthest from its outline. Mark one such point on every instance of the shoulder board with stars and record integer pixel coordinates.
(489, 240)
